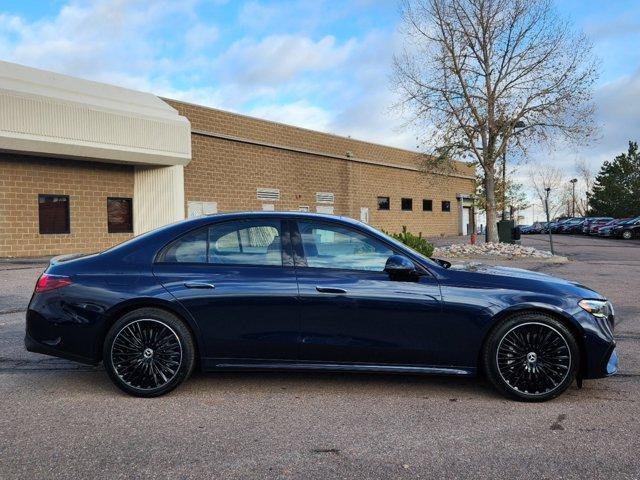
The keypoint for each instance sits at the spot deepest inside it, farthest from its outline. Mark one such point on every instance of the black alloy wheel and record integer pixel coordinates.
(531, 357)
(149, 352)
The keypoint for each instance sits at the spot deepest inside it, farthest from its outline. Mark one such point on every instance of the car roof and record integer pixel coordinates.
(262, 214)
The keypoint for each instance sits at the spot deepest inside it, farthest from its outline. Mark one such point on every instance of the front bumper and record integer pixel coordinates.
(612, 363)
(599, 358)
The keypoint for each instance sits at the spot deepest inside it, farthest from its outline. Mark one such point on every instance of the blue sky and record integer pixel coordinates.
(319, 64)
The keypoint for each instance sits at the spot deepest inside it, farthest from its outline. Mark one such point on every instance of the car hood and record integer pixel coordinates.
(520, 279)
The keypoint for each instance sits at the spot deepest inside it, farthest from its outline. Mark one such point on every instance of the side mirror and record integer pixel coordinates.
(442, 263)
(399, 265)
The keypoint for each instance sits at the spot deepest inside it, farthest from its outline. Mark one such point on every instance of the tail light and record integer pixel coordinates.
(48, 282)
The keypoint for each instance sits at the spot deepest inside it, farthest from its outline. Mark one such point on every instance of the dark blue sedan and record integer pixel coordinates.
(276, 291)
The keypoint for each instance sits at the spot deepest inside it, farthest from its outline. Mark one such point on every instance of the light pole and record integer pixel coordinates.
(573, 196)
(546, 207)
(518, 126)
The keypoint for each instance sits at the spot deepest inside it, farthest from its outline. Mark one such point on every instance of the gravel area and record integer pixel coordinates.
(505, 250)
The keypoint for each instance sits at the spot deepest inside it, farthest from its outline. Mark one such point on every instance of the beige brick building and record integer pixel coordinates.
(84, 166)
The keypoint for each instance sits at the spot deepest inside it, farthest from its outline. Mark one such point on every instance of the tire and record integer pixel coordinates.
(627, 234)
(517, 356)
(149, 352)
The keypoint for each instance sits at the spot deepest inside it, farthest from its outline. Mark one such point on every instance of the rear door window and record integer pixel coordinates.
(256, 242)
(245, 243)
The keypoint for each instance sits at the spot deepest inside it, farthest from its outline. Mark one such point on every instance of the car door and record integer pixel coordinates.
(236, 278)
(351, 311)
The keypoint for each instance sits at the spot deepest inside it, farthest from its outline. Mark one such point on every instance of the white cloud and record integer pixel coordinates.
(279, 58)
(94, 39)
(300, 113)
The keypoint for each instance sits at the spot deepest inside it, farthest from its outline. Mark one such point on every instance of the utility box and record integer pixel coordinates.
(515, 235)
(505, 231)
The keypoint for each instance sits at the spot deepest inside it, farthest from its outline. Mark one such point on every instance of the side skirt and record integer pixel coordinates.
(211, 364)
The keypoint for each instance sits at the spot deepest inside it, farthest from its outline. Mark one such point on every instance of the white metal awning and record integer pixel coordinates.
(46, 113)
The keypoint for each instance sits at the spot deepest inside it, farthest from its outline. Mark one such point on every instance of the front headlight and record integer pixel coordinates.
(597, 308)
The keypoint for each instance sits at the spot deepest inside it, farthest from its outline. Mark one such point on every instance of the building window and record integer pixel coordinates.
(406, 204)
(120, 215)
(53, 212)
(383, 203)
(427, 205)
(446, 206)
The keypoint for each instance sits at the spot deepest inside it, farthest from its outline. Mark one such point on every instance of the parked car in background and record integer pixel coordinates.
(572, 226)
(537, 227)
(627, 230)
(606, 230)
(549, 226)
(586, 226)
(556, 225)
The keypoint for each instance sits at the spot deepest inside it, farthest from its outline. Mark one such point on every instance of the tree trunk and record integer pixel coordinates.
(490, 192)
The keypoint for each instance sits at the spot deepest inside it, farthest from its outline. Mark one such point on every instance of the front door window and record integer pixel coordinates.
(336, 247)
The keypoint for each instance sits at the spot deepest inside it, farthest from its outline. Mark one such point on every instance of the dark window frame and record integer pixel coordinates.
(109, 228)
(448, 204)
(388, 203)
(68, 214)
(424, 204)
(402, 205)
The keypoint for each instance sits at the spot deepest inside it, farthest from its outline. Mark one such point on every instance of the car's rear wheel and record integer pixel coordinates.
(627, 234)
(149, 352)
(531, 357)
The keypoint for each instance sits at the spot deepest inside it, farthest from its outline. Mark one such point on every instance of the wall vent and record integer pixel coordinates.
(324, 197)
(270, 194)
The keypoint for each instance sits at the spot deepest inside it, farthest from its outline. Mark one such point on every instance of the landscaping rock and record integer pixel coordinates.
(503, 250)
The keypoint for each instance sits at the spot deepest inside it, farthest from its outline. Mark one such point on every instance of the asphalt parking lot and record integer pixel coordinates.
(63, 420)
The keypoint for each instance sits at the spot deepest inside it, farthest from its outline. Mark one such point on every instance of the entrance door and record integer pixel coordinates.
(466, 220)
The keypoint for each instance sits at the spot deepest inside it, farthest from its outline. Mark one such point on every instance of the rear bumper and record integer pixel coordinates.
(33, 345)
(53, 329)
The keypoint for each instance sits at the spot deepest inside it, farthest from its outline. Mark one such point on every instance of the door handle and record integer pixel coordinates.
(330, 290)
(199, 285)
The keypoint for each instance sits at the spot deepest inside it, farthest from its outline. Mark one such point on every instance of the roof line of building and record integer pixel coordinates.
(233, 138)
(288, 125)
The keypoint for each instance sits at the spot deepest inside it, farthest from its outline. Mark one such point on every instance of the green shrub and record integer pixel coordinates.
(417, 242)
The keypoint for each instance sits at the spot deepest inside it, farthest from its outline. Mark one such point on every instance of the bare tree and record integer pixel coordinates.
(585, 174)
(549, 176)
(473, 71)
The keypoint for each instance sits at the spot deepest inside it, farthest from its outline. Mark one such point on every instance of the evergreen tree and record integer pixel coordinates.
(616, 191)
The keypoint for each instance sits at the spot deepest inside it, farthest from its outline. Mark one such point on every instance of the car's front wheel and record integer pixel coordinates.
(627, 234)
(148, 352)
(531, 356)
